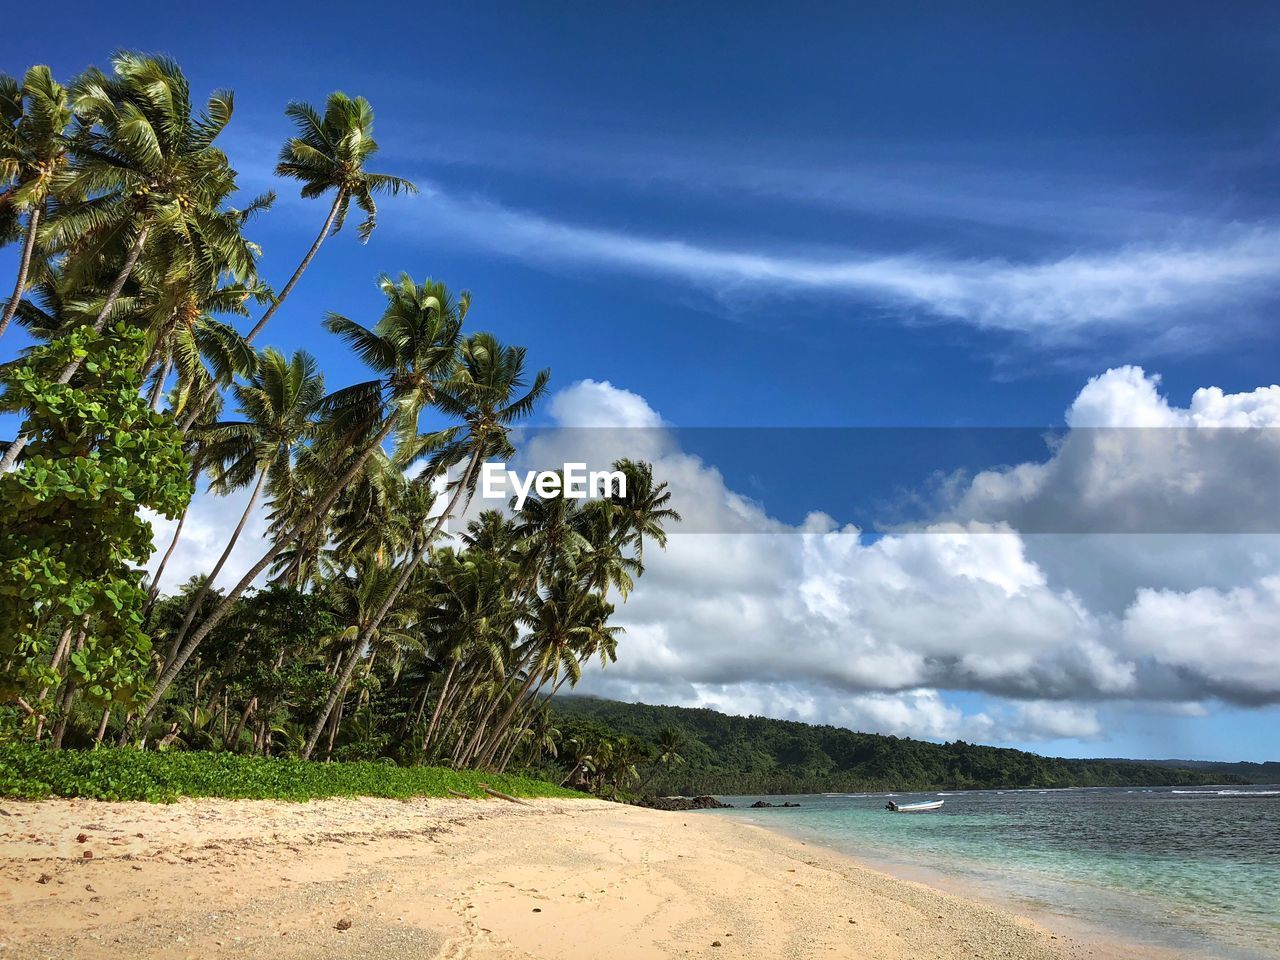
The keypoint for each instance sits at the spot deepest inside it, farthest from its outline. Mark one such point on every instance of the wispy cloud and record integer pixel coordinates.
(1045, 191)
(1128, 288)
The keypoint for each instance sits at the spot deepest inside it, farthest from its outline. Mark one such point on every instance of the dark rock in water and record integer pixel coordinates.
(762, 804)
(684, 803)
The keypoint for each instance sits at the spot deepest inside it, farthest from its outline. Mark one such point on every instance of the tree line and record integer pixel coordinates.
(677, 750)
(375, 635)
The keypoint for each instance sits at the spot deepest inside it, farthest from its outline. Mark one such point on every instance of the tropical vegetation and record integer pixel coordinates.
(365, 629)
(373, 627)
(112, 773)
(708, 752)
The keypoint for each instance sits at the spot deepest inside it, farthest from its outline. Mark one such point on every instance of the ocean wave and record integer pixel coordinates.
(1230, 793)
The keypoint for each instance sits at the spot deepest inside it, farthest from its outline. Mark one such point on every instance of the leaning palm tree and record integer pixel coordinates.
(279, 406)
(644, 507)
(468, 616)
(328, 153)
(565, 626)
(412, 348)
(32, 153)
(352, 599)
(486, 391)
(145, 174)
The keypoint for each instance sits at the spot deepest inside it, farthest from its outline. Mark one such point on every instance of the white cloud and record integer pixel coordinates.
(1226, 638)
(205, 534)
(825, 624)
(591, 403)
(1133, 286)
(1133, 463)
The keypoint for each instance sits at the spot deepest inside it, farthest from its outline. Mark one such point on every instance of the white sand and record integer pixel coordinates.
(457, 879)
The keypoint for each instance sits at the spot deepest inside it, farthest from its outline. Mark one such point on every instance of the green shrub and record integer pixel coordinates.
(30, 773)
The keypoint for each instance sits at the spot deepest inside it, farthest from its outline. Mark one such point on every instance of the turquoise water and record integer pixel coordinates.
(1196, 869)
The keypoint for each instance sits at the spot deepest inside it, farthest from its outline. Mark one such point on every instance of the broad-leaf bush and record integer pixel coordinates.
(28, 772)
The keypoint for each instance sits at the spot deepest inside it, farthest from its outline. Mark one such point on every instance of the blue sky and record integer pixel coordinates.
(795, 215)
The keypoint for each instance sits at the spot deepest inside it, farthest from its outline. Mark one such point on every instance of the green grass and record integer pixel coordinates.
(29, 773)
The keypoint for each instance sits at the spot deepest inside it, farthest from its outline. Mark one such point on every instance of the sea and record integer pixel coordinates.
(1195, 870)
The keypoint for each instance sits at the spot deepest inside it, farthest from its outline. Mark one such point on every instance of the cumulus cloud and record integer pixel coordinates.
(1133, 463)
(824, 623)
(1225, 638)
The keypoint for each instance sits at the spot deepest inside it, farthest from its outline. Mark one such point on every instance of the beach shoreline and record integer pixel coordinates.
(469, 879)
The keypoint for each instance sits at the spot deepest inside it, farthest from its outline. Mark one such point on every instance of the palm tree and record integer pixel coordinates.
(644, 507)
(669, 750)
(412, 347)
(329, 153)
(467, 615)
(279, 405)
(32, 152)
(566, 626)
(582, 755)
(179, 317)
(352, 600)
(483, 390)
(140, 164)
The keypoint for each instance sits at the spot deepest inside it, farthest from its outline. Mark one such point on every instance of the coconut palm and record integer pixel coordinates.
(33, 149)
(486, 390)
(566, 626)
(279, 406)
(469, 620)
(328, 153)
(144, 174)
(644, 507)
(412, 348)
(352, 599)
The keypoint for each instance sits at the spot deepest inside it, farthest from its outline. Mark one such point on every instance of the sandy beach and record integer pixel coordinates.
(463, 879)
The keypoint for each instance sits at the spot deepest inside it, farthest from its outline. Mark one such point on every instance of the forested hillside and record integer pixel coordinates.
(722, 754)
(1266, 772)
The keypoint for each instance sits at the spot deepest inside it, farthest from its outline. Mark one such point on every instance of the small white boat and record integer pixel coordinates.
(924, 807)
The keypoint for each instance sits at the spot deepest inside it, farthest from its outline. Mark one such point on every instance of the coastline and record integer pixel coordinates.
(469, 879)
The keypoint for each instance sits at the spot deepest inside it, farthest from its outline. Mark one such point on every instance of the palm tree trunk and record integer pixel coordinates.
(333, 731)
(157, 391)
(203, 401)
(176, 643)
(153, 590)
(402, 581)
(244, 718)
(368, 671)
(224, 608)
(69, 693)
(59, 652)
(435, 714)
(102, 728)
(505, 760)
(485, 751)
(69, 371)
(483, 725)
(24, 266)
(113, 295)
(338, 692)
(438, 734)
